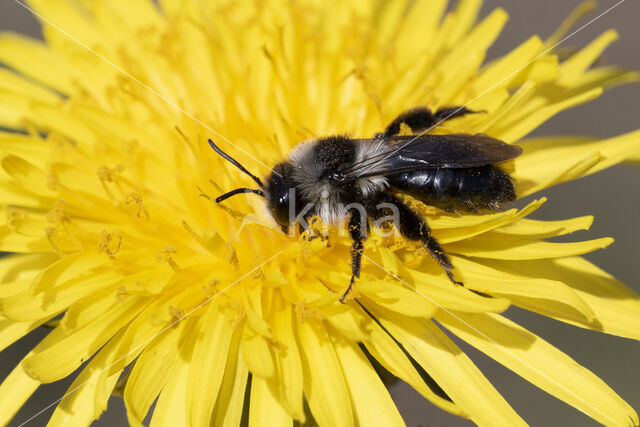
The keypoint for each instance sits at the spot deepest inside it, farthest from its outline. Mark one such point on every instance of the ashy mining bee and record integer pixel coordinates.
(342, 179)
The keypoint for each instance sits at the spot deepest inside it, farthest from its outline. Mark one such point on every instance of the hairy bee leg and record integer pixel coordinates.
(433, 247)
(422, 118)
(355, 230)
(414, 227)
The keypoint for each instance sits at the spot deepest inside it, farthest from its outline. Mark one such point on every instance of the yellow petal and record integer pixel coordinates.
(385, 350)
(599, 280)
(328, 395)
(502, 71)
(463, 18)
(171, 406)
(11, 241)
(503, 246)
(33, 59)
(87, 397)
(519, 127)
(634, 158)
(542, 364)
(208, 363)
(66, 269)
(451, 369)
(15, 389)
(616, 307)
(67, 17)
(582, 60)
(23, 268)
(290, 375)
(544, 229)
(12, 288)
(264, 407)
(26, 175)
(230, 403)
(12, 82)
(253, 308)
(485, 279)
(397, 297)
(439, 291)
(150, 373)
(257, 354)
(367, 390)
(419, 23)
(345, 320)
(65, 123)
(462, 61)
(87, 310)
(580, 11)
(545, 160)
(495, 221)
(25, 307)
(388, 19)
(11, 331)
(510, 106)
(606, 77)
(62, 358)
(12, 194)
(14, 110)
(136, 14)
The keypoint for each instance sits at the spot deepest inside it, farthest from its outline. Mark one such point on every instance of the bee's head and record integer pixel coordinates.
(278, 191)
(280, 194)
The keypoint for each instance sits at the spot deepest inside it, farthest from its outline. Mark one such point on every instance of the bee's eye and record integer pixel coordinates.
(280, 191)
(280, 206)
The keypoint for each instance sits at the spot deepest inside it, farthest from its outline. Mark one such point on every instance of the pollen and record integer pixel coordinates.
(110, 243)
(136, 198)
(166, 255)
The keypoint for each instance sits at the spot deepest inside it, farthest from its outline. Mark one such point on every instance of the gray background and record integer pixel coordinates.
(611, 196)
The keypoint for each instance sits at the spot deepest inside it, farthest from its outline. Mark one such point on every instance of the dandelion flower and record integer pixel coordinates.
(106, 181)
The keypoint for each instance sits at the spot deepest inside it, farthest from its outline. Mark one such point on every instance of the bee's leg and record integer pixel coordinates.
(356, 233)
(433, 247)
(413, 227)
(422, 118)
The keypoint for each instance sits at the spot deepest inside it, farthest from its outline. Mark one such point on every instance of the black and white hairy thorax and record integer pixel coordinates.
(314, 158)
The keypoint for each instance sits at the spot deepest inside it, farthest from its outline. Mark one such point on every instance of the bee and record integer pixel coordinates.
(341, 179)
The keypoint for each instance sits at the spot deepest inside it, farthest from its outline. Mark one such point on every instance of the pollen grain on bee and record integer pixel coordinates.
(339, 214)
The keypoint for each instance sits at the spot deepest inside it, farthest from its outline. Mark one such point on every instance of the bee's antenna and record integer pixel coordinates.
(236, 164)
(238, 191)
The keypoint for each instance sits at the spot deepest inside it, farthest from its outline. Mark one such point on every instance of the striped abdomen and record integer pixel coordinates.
(466, 189)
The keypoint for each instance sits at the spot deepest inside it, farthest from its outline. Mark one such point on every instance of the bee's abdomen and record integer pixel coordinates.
(466, 189)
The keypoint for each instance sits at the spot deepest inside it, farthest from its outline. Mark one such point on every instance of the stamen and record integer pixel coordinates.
(109, 243)
(240, 315)
(57, 214)
(166, 257)
(52, 182)
(51, 234)
(257, 273)
(15, 217)
(232, 256)
(304, 312)
(106, 175)
(136, 197)
(177, 314)
(211, 288)
(122, 293)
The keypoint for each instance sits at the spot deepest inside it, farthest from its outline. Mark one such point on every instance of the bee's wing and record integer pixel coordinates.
(411, 153)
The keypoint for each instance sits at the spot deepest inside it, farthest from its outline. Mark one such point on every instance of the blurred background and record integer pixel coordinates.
(611, 196)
